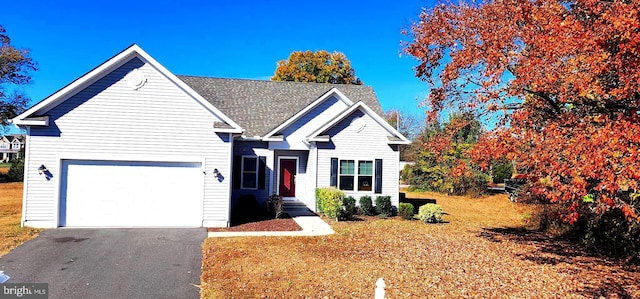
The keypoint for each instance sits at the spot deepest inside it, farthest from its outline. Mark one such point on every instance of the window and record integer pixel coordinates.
(15, 145)
(249, 172)
(365, 175)
(3, 145)
(347, 174)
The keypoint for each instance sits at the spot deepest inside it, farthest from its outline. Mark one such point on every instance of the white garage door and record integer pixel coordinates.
(130, 194)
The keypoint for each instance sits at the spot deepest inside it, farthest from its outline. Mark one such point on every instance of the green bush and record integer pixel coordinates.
(348, 208)
(274, 205)
(473, 185)
(406, 211)
(431, 213)
(329, 201)
(438, 178)
(609, 233)
(383, 205)
(366, 206)
(16, 172)
(501, 170)
(406, 175)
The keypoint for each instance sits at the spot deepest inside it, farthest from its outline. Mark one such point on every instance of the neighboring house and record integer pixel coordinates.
(102, 150)
(10, 147)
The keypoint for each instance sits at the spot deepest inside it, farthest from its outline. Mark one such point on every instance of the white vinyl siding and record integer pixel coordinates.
(109, 120)
(369, 144)
(254, 149)
(296, 132)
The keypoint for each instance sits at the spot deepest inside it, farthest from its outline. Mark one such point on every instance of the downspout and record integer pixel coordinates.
(315, 204)
(231, 140)
(27, 156)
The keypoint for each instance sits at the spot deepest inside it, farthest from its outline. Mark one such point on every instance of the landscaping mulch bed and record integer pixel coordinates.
(285, 223)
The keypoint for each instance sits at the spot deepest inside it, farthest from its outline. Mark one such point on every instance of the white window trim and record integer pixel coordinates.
(372, 175)
(355, 175)
(242, 173)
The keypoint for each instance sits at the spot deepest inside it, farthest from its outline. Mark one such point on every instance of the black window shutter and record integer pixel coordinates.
(334, 173)
(237, 171)
(378, 176)
(262, 176)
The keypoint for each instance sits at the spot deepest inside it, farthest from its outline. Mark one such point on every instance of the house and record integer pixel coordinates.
(10, 146)
(102, 150)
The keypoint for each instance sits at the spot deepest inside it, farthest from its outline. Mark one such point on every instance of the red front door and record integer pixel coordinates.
(287, 177)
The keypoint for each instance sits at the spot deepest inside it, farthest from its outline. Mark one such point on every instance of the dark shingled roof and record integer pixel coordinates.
(260, 106)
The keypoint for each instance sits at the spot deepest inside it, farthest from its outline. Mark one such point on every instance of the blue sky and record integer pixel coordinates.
(230, 39)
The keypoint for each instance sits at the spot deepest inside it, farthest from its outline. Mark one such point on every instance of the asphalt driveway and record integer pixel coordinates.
(110, 263)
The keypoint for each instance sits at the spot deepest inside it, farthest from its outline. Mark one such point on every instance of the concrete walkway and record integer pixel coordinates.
(311, 224)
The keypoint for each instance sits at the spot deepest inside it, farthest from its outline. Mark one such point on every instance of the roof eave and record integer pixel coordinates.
(38, 121)
(308, 108)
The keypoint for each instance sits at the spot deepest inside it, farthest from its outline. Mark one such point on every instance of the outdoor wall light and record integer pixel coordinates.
(216, 172)
(42, 169)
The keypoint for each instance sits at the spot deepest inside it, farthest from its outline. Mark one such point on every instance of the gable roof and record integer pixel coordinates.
(35, 114)
(395, 137)
(14, 137)
(261, 106)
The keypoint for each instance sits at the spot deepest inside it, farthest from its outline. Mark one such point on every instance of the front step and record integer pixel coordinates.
(296, 208)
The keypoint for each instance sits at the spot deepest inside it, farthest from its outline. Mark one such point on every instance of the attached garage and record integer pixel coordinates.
(130, 194)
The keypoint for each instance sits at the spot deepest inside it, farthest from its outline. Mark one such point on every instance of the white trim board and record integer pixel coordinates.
(334, 91)
(315, 136)
(105, 68)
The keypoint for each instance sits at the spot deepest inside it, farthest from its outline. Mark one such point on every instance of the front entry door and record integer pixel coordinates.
(287, 177)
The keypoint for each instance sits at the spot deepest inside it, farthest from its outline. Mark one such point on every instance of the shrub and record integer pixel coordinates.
(473, 184)
(406, 175)
(438, 178)
(274, 206)
(406, 210)
(383, 205)
(609, 233)
(348, 208)
(500, 170)
(16, 172)
(431, 213)
(329, 201)
(366, 205)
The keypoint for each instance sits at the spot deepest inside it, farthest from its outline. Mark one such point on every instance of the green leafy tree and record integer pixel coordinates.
(16, 171)
(443, 161)
(320, 67)
(15, 66)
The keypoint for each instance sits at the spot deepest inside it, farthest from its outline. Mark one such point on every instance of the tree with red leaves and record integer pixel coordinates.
(561, 82)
